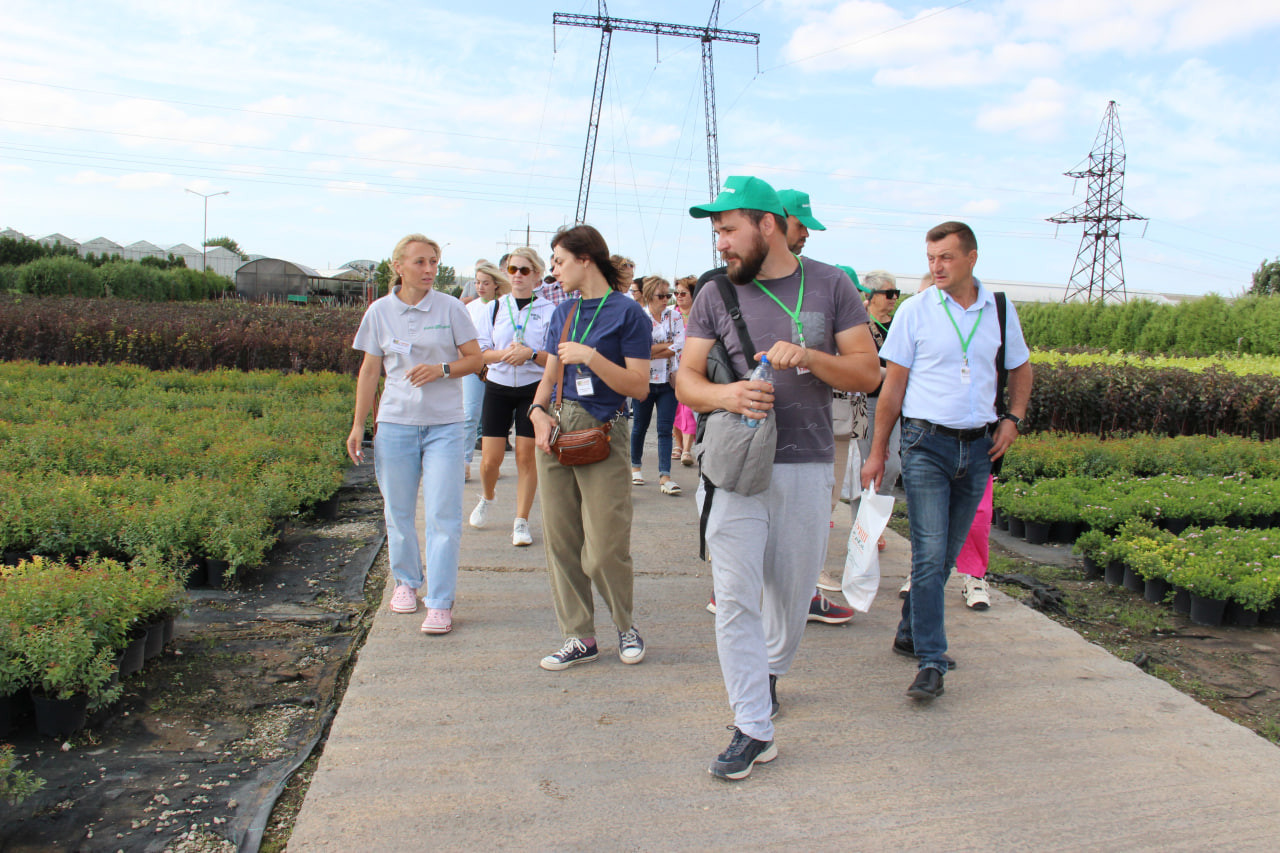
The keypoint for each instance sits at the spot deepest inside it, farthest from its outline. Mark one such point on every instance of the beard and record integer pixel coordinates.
(749, 263)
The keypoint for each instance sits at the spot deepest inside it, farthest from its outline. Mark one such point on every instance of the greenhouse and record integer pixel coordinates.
(277, 280)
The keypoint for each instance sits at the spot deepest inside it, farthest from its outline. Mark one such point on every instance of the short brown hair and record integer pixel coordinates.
(583, 241)
(968, 242)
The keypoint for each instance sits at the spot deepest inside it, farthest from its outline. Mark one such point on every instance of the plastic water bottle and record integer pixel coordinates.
(765, 372)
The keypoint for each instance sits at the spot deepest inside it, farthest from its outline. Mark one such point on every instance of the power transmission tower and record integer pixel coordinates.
(606, 24)
(1103, 210)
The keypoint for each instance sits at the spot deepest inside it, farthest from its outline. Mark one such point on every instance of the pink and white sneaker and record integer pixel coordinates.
(439, 621)
(404, 599)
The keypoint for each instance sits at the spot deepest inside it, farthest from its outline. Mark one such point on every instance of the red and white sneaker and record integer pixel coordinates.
(439, 621)
(404, 599)
(823, 609)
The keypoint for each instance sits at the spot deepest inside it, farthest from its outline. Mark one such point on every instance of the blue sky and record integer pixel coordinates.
(341, 128)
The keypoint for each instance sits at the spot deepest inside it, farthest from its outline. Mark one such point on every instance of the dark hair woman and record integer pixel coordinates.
(586, 509)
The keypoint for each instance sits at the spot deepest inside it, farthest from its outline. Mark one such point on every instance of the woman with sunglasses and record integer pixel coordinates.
(424, 340)
(664, 355)
(586, 509)
(491, 283)
(685, 428)
(511, 337)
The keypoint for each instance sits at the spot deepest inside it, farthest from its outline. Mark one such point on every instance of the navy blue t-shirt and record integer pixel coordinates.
(621, 331)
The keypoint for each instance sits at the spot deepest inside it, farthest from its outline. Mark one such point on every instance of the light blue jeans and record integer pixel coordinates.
(406, 457)
(472, 401)
(944, 479)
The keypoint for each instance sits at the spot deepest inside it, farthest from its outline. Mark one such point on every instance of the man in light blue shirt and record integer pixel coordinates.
(941, 377)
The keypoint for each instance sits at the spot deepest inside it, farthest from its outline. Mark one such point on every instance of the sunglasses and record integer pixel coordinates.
(892, 294)
(512, 270)
(680, 293)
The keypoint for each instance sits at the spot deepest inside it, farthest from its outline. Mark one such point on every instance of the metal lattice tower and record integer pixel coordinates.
(606, 24)
(1099, 270)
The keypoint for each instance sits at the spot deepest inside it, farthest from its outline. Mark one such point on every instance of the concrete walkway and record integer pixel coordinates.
(1042, 741)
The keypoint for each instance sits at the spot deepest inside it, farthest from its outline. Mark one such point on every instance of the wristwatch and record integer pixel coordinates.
(532, 406)
(444, 366)
(1017, 421)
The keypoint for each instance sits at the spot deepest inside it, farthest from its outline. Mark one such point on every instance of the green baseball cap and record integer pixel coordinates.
(797, 205)
(741, 192)
(853, 276)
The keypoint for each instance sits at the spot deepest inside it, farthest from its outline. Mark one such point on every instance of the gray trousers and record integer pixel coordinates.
(766, 553)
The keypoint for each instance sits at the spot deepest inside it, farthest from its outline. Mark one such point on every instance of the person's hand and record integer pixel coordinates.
(542, 426)
(575, 353)
(355, 440)
(421, 374)
(785, 355)
(514, 354)
(1006, 433)
(872, 471)
(750, 397)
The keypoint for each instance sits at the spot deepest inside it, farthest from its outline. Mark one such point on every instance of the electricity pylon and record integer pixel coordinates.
(1099, 270)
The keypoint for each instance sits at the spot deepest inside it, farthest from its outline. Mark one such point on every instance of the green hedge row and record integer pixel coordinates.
(166, 336)
(1047, 455)
(71, 276)
(1205, 326)
(120, 460)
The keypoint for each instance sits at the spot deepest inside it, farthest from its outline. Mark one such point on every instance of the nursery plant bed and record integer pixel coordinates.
(205, 737)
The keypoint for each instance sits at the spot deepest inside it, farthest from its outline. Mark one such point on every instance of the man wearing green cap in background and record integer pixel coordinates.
(767, 549)
(800, 218)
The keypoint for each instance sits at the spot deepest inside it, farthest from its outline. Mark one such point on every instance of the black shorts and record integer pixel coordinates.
(502, 403)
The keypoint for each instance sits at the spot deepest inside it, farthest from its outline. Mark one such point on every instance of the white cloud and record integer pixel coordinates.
(1034, 113)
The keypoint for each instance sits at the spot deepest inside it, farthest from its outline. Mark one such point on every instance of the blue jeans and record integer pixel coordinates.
(406, 457)
(944, 479)
(472, 400)
(663, 396)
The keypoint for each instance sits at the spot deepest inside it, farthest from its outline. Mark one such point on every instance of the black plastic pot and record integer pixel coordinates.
(1134, 582)
(1237, 614)
(1181, 601)
(155, 639)
(327, 509)
(60, 717)
(134, 653)
(1037, 532)
(1155, 590)
(1017, 527)
(1064, 532)
(1114, 573)
(217, 572)
(1092, 571)
(1175, 525)
(1207, 611)
(198, 576)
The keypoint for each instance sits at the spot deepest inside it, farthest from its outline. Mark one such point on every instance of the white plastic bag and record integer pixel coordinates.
(862, 563)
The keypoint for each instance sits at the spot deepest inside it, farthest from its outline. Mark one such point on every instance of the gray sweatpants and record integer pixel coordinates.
(766, 553)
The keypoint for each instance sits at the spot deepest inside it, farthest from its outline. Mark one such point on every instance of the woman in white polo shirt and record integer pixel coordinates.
(512, 339)
(425, 342)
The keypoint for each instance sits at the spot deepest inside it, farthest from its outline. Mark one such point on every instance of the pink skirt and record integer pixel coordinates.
(684, 420)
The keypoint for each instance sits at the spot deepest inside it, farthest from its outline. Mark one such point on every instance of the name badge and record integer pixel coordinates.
(966, 378)
(399, 346)
(584, 386)
(801, 371)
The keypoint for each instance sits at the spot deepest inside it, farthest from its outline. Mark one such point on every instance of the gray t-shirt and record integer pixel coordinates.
(407, 335)
(802, 403)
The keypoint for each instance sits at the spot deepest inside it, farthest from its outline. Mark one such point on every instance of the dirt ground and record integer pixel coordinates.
(204, 739)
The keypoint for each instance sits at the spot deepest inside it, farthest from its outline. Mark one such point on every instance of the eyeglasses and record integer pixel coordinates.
(512, 270)
(680, 293)
(892, 294)
(662, 296)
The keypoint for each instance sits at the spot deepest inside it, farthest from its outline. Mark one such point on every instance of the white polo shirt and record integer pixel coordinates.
(534, 320)
(408, 335)
(925, 341)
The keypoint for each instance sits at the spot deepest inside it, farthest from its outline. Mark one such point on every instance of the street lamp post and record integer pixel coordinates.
(204, 246)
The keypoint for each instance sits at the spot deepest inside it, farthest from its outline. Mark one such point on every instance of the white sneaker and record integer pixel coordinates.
(480, 515)
(976, 593)
(905, 588)
(520, 534)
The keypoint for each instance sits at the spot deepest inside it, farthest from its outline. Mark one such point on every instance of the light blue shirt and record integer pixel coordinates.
(923, 340)
(408, 335)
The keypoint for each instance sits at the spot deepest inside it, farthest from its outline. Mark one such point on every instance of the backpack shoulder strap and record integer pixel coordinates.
(729, 295)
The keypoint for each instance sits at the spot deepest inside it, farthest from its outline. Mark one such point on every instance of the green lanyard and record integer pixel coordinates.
(793, 314)
(964, 342)
(577, 309)
(519, 327)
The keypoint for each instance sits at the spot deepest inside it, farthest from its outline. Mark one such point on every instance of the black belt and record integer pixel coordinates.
(962, 434)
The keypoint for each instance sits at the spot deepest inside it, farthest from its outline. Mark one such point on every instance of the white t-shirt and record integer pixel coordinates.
(667, 329)
(408, 335)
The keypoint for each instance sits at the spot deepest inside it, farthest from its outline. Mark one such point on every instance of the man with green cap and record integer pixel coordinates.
(767, 549)
(800, 218)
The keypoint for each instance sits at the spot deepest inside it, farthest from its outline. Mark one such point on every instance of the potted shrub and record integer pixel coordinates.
(1095, 547)
(69, 674)
(15, 785)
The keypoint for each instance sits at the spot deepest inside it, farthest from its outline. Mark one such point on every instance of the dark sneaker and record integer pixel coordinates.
(907, 648)
(743, 752)
(774, 707)
(823, 609)
(630, 646)
(928, 684)
(573, 653)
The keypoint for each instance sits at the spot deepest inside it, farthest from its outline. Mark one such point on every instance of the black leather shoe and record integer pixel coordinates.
(908, 649)
(773, 696)
(928, 684)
